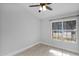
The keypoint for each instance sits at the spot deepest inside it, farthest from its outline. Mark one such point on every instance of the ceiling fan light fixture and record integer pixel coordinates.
(41, 8)
(44, 8)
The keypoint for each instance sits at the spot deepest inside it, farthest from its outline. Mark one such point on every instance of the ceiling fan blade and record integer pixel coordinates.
(48, 8)
(34, 5)
(49, 3)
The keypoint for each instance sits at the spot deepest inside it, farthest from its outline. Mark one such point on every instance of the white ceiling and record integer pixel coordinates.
(58, 9)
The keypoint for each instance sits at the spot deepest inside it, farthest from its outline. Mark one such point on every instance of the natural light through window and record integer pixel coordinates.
(64, 30)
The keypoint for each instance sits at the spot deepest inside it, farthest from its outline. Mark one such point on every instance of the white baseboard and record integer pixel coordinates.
(21, 50)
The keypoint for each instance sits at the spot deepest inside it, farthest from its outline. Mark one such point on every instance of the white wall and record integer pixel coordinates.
(46, 36)
(18, 28)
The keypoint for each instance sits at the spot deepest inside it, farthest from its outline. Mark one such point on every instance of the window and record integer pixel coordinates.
(64, 30)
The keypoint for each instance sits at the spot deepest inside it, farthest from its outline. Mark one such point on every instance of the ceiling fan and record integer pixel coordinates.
(42, 6)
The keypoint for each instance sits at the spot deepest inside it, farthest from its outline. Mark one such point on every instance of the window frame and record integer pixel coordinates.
(62, 20)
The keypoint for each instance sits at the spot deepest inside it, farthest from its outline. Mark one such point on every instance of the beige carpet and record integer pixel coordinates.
(45, 50)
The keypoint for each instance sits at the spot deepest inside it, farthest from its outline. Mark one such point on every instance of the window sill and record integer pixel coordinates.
(66, 41)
